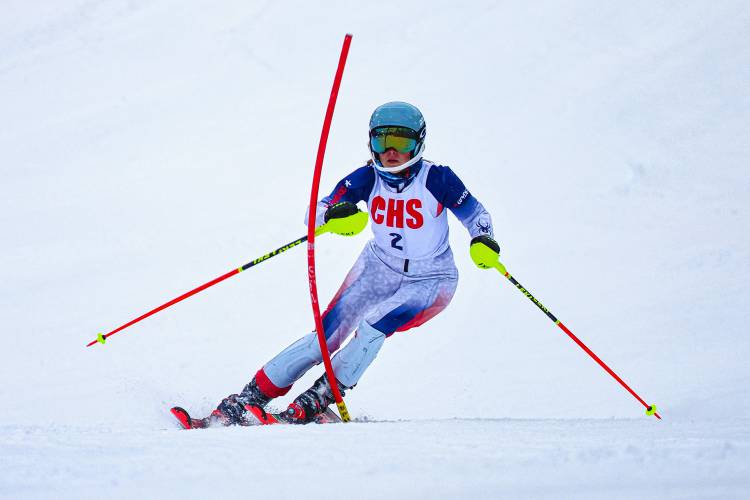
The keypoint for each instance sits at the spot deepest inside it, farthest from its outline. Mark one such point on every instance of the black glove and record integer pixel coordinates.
(340, 211)
(485, 252)
(486, 240)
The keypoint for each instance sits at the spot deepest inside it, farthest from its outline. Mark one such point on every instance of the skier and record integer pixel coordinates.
(402, 278)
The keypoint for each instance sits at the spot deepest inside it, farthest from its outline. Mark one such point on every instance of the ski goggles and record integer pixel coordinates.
(402, 139)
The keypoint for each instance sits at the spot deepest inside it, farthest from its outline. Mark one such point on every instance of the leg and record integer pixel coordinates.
(412, 305)
(351, 362)
(348, 364)
(366, 284)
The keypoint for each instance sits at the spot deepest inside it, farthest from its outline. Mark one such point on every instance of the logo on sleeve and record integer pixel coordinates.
(340, 192)
(462, 197)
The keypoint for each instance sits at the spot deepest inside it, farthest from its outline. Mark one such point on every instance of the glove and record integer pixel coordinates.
(484, 251)
(340, 211)
(345, 219)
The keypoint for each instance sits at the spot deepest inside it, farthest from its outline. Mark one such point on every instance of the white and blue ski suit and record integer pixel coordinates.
(404, 276)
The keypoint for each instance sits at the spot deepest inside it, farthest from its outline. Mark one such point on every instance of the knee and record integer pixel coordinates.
(310, 348)
(369, 334)
(312, 344)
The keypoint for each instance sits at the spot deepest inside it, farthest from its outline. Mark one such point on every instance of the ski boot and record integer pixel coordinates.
(311, 404)
(232, 409)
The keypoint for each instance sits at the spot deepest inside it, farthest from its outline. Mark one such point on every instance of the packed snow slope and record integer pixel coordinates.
(150, 146)
(445, 459)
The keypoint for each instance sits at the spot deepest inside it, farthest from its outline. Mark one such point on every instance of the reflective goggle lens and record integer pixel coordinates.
(401, 139)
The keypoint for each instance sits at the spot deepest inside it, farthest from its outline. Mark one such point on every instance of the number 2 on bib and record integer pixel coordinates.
(394, 242)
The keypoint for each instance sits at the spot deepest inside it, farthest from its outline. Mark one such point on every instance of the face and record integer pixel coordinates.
(392, 158)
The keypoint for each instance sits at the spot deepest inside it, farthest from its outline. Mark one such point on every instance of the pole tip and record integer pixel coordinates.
(651, 410)
(101, 338)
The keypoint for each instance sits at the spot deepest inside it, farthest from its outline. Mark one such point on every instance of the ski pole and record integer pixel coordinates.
(102, 338)
(311, 232)
(650, 409)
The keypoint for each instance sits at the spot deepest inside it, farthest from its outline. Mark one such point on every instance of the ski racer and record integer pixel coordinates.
(404, 276)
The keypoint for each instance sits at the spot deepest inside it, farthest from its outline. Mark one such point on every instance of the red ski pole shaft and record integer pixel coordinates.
(650, 409)
(101, 338)
(311, 230)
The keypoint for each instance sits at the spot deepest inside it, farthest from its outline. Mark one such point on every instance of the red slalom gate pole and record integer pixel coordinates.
(650, 409)
(311, 230)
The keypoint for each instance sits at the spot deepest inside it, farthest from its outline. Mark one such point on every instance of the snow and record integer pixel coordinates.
(150, 146)
(451, 458)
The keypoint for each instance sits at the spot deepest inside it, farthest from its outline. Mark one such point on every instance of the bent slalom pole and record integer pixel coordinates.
(311, 231)
(650, 409)
(102, 338)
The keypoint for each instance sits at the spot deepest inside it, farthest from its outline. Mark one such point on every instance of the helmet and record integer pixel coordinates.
(404, 122)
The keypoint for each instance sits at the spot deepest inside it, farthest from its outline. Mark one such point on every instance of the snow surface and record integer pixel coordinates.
(149, 146)
(457, 458)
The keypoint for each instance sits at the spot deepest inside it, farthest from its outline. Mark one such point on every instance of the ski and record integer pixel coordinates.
(269, 418)
(262, 417)
(186, 421)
